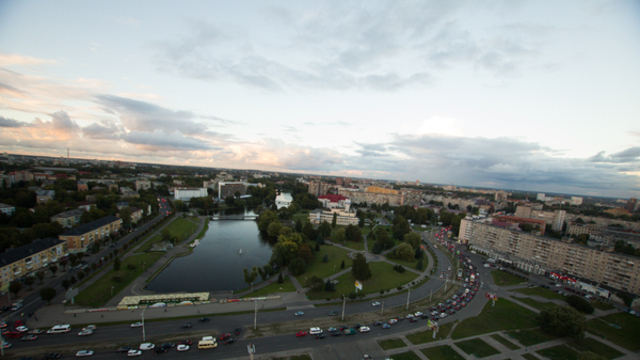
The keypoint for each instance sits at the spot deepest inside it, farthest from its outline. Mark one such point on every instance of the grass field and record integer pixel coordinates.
(148, 244)
(426, 336)
(504, 316)
(477, 347)
(502, 278)
(383, 277)
(99, 292)
(505, 342)
(358, 246)
(273, 288)
(322, 270)
(182, 228)
(294, 357)
(412, 264)
(597, 347)
(601, 305)
(560, 352)
(538, 305)
(626, 336)
(530, 356)
(391, 344)
(409, 355)
(444, 352)
(530, 337)
(545, 293)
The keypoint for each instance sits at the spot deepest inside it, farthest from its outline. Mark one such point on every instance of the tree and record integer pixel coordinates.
(413, 239)
(324, 229)
(250, 277)
(329, 286)
(377, 248)
(125, 215)
(280, 279)
(230, 200)
(64, 263)
(360, 268)
(166, 234)
(342, 265)
(315, 283)
(325, 259)
(53, 269)
(298, 225)
(116, 264)
(15, 288)
(400, 227)
(580, 304)
(307, 230)
(320, 240)
(305, 253)
(29, 281)
(297, 266)
(341, 235)
(274, 229)
(73, 280)
(405, 252)
(419, 266)
(40, 275)
(47, 294)
(562, 321)
(419, 253)
(66, 284)
(334, 222)
(383, 238)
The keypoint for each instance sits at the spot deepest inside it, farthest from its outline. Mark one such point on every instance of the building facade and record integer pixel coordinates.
(543, 255)
(68, 219)
(9, 210)
(185, 194)
(27, 260)
(501, 195)
(342, 218)
(226, 189)
(143, 185)
(318, 188)
(80, 238)
(44, 196)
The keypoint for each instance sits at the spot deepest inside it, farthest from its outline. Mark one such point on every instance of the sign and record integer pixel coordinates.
(358, 285)
(432, 325)
(71, 293)
(251, 349)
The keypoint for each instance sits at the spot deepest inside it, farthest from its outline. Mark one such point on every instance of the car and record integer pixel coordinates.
(393, 321)
(410, 316)
(6, 344)
(85, 332)
(301, 333)
(229, 340)
(558, 285)
(443, 315)
(35, 331)
(413, 319)
(299, 313)
(83, 353)
(168, 345)
(134, 352)
(51, 356)
(333, 313)
(419, 313)
(147, 346)
(160, 350)
(335, 333)
(29, 337)
(124, 349)
(358, 326)
(458, 307)
(14, 334)
(182, 347)
(22, 328)
(184, 342)
(3, 325)
(238, 330)
(90, 327)
(203, 319)
(377, 323)
(319, 336)
(386, 326)
(186, 326)
(224, 336)
(136, 324)
(451, 312)
(364, 329)
(344, 327)
(375, 304)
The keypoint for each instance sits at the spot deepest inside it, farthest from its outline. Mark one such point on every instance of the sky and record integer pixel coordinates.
(528, 95)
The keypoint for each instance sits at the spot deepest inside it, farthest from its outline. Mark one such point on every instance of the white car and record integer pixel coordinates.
(182, 347)
(83, 353)
(375, 304)
(418, 314)
(90, 327)
(136, 324)
(22, 328)
(364, 329)
(443, 315)
(85, 332)
(393, 321)
(147, 346)
(410, 316)
(132, 353)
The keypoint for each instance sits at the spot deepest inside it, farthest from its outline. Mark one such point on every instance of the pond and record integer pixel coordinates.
(216, 263)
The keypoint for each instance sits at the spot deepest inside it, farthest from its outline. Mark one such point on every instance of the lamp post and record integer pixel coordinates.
(112, 291)
(144, 338)
(334, 269)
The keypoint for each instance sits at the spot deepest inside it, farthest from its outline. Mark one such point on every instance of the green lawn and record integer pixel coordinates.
(409, 355)
(601, 305)
(99, 292)
(182, 228)
(358, 246)
(426, 336)
(322, 270)
(273, 288)
(560, 352)
(477, 347)
(538, 305)
(627, 333)
(391, 344)
(294, 357)
(411, 264)
(148, 244)
(545, 293)
(383, 277)
(502, 278)
(597, 347)
(444, 352)
(505, 342)
(530, 337)
(504, 316)
(530, 356)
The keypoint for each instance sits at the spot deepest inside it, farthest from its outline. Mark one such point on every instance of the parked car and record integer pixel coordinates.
(182, 347)
(147, 346)
(301, 333)
(229, 340)
(124, 349)
(134, 352)
(136, 324)
(203, 319)
(375, 304)
(238, 330)
(51, 356)
(299, 313)
(85, 332)
(83, 353)
(187, 326)
(185, 342)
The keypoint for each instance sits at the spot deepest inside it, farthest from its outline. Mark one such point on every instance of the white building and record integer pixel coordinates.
(576, 200)
(540, 197)
(7, 209)
(185, 194)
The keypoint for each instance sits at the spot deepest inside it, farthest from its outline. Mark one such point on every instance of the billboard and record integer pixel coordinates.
(358, 285)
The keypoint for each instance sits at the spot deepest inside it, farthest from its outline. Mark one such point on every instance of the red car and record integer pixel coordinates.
(18, 323)
(15, 334)
(185, 342)
(301, 333)
(224, 336)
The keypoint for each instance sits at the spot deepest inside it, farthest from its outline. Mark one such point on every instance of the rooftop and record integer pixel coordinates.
(14, 255)
(85, 228)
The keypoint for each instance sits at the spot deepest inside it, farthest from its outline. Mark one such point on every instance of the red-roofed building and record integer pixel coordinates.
(540, 224)
(332, 201)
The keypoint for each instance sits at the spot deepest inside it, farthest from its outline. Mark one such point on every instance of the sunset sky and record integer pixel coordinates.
(530, 95)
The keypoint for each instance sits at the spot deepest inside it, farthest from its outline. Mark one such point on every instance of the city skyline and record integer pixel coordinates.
(537, 96)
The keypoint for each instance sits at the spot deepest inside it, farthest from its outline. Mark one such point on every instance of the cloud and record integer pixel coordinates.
(11, 123)
(22, 60)
(630, 155)
(368, 150)
(106, 130)
(159, 140)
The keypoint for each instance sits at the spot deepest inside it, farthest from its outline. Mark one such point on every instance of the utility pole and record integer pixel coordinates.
(445, 283)
(382, 312)
(144, 338)
(408, 297)
(255, 316)
(344, 304)
(430, 295)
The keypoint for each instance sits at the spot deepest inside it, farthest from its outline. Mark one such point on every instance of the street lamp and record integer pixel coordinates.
(334, 269)
(112, 291)
(144, 338)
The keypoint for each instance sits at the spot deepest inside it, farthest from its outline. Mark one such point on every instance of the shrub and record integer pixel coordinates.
(131, 267)
(399, 268)
(399, 288)
(580, 304)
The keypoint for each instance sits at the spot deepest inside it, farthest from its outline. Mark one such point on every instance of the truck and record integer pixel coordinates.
(492, 261)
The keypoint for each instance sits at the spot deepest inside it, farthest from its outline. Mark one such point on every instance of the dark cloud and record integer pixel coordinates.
(368, 150)
(11, 123)
(630, 155)
(161, 141)
(106, 131)
(9, 88)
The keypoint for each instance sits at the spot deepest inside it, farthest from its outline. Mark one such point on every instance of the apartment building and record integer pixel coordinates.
(344, 217)
(44, 196)
(543, 255)
(143, 185)
(68, 219)
(80, 238)
(7, 209)
(318, 188)
(26, 260)
(226, 189)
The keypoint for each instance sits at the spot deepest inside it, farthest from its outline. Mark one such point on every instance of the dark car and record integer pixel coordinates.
(358, 326)
(319, 336)
(187, 326)
(333, 313)
(124, 349)
(343, 328)
(168, 345)
(203, 319)
(413, 319)
(336, 333)
(51, 356)
(238, 330)
(229, 341)
(185, 342)
(160, 350)
(377, 323)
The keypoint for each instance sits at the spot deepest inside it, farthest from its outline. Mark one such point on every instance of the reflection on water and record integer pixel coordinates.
(283, 200)
(216, 263)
